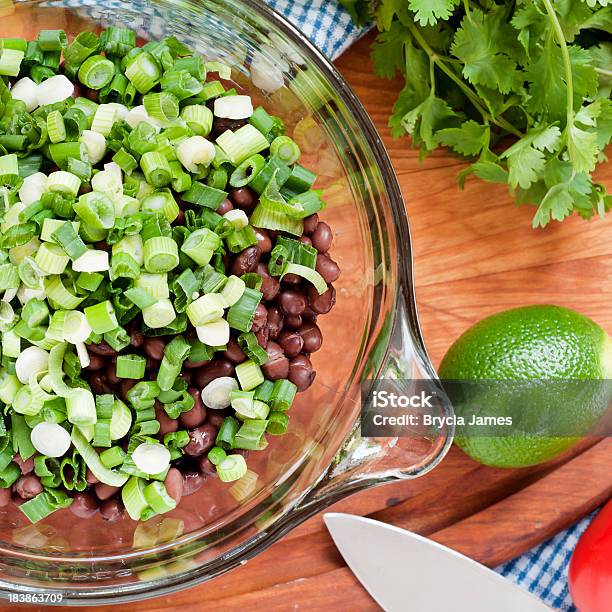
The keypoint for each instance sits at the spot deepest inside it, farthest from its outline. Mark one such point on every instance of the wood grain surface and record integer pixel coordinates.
(475, 253)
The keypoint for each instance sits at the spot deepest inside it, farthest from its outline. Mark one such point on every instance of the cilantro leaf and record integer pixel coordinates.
(469, 139)
(582, 148)
(429, 11)
(477, 45)
(557, 204)
(388, 50)
(524, 166)
(490, 171)
(547, 80)
(424, 121)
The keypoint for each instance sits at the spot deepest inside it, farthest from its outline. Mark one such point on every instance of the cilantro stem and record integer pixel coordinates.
(472, 95)
(566, 60)
(603, 72)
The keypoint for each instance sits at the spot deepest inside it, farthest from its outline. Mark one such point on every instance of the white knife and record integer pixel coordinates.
(405, 572)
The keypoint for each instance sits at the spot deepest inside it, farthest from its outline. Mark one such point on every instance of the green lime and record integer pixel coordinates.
(539, 345)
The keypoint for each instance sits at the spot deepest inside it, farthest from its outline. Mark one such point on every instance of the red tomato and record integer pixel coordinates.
(590, 570)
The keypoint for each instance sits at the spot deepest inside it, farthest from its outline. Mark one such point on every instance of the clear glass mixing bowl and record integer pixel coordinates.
(372, 332)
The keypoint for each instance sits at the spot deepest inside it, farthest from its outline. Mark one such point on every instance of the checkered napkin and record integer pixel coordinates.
(543, 570)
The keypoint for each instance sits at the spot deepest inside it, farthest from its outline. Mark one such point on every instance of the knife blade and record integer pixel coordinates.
(404, 571)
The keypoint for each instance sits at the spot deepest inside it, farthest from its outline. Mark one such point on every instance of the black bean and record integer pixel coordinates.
(263, 335)
(98, 384)
(111, 510)
(207, 468)
(136, 339)
(90, 477)
(125, 386)
(301, 373)
(195, 364)
(310, 223)
(277, 365)
(310, 315)
(225, 207)
(233, 352)
(246, 261)
(96, 362)
(312, 336)
(291, 342)
(201, 440)
(154, 348)
(263, 240)
(216, 418)
(197, 415)
(28, 487)
(174, 484)
(292, 279)
(222, 124)
(192, 481)
(322, 237)
(243, 197)
(275, 322)
(260, 318)
(84, 505)
(323, 303)
(294, 321)
(305, 240)
(215, 369)
(327, 268)
(180, 218)
(111, 373)
(102, 348)
(27, 466)
(270, 286)
(292, 302)
(166, 424)
(104, 491)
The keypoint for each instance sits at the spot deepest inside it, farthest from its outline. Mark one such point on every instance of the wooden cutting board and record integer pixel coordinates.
(475, 254)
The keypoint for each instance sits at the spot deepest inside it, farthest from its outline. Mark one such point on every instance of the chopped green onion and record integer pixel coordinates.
(163, 106)
(233, 467)
(81, 407)
(199, 119)
(112, 457)
(204, 195)
(131, 366)
(283, 394)
(52, 40)
(247, 170)
(278, 422)
(156, 169)
(249, 375)
(51, 259)
(240, 315)
(44, 504)
(248, 343)
(309, 274)
(158, 498)
(96, 210)
(250, 434)
(285, 149)
(143, 71)
(101, 317)
(243, 143)
(200, 245)
(10, 61)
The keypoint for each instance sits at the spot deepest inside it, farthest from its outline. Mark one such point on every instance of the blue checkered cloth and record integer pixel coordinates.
(543, 570)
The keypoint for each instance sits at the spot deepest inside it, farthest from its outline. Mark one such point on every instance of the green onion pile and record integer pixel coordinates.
(109, 234)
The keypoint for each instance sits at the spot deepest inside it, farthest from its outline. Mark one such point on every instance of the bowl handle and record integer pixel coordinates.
(363, 462)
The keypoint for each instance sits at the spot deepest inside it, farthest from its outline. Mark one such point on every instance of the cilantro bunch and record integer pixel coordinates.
(520, 88)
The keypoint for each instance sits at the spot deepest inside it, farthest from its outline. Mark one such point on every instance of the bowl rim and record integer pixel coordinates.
(404, 297)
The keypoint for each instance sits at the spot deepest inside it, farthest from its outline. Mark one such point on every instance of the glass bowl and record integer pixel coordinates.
(373, 331)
